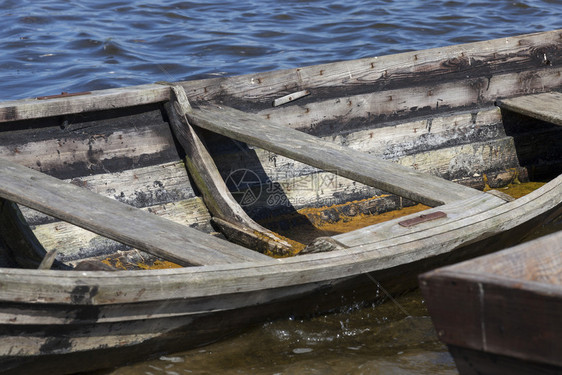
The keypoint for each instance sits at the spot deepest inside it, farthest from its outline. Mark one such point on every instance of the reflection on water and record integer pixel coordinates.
(372, 340)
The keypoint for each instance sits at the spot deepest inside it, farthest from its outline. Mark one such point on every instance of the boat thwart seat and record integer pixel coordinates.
(116, 220)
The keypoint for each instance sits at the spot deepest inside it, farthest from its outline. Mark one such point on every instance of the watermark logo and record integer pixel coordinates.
(245, 186)
(279, 187)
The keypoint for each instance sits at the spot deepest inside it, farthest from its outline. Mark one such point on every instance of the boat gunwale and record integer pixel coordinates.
(488, 279)
(513, 314)
(291, 271)
(210, 88)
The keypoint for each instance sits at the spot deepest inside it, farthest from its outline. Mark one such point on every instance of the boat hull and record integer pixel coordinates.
(431, 111)
(82, 343)
(500, 314)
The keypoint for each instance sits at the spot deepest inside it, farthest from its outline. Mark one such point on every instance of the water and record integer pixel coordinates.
(51, 46)
(372, 340)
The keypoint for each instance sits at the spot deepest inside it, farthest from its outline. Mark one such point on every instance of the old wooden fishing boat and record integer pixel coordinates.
(94, 182)
(501, 313)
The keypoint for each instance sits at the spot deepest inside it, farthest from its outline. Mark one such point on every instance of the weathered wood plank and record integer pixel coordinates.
(546, 107)
(288, 184)
(525, 53)
(115, 220)
(96, 101)
(479, 59)
(392, 230)
(141, 187)
(193, 282)
(74, 243)
(90, 143)
(505, 303)
(539, 260)
(348, 163)
(216, 195)
(48, 260)
(349, 111)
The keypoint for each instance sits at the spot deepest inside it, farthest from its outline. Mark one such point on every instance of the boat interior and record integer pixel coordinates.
(284, 168)
(133, 156)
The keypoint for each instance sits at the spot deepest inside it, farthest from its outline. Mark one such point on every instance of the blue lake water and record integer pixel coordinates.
(53, 46)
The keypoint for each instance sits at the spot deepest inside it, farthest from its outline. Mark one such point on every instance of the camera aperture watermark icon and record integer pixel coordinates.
(281, 187)
(245, 186)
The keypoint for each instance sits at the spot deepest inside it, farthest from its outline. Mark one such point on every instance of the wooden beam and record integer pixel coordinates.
(522, 54)
(546, 107)
(95, 101)
(214, 191)
(117, 221)
(437, 95)
(346, 162)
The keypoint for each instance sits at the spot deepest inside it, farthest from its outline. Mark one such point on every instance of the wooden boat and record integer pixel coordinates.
(500, 313)
(92, 181)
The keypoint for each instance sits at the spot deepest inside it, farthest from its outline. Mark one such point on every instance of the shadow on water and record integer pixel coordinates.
(371, 340)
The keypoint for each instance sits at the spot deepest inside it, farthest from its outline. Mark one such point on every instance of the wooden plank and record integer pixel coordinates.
(546, 107)
(74, 243)
(90, 143)
(539, 260)
(311, 150)
(112, 219)
(506, 303)
(96, 101)
(380, 106)
(216, 195)
(478, 59)
(392, 230)
(194, 282)
(523, 54)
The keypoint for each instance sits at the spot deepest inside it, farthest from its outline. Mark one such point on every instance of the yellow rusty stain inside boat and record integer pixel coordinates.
(517, 190)
(328, 221)
(320, 224)
(117, 263)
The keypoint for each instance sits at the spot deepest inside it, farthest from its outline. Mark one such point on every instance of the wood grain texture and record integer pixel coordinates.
(215, 193)
(419, 68)
(96, 101)
(138, 310)
(546, 106)
(205, 281)
(90, 143)
(74, 243)
(344, 113)
(524, 54)
(392, 230)
(507, 303)
(348, 163)
(110, 301)
(115, 220)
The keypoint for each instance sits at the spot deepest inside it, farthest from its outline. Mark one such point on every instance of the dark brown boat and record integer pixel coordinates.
(501, 313)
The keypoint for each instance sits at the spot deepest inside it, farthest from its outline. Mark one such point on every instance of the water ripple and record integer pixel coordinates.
(51, 46)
